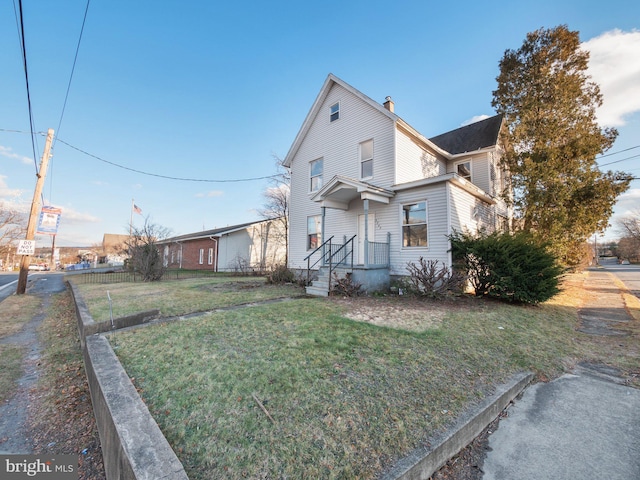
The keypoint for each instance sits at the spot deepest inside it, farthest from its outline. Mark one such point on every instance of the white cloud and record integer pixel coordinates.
(614, 64)
(6, 192)
(7, 152)
(210, 194)
(475, 119)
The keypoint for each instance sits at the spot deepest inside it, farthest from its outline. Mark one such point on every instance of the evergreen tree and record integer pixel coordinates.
(551, 141)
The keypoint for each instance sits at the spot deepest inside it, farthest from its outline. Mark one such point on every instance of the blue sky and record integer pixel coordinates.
(214, 91)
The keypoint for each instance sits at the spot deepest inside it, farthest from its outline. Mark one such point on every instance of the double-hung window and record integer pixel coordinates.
(366, 159)
(464, 169)
(334, 112)
(315, 174)
(414, 224)
(314, 232)
(210, 257)
(201, 258)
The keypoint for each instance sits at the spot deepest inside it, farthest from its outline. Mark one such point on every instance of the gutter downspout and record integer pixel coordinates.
(179, 243)
(215, 253)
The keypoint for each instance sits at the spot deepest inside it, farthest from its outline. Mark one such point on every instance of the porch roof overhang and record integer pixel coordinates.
(339, 191)
(453, 178)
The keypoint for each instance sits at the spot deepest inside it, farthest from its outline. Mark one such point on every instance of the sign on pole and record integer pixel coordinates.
(49, 220)
(26, 247)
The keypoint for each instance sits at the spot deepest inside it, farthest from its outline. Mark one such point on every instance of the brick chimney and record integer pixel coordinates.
(388, 104)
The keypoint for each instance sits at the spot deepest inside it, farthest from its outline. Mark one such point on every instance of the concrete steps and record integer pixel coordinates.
(320, 286)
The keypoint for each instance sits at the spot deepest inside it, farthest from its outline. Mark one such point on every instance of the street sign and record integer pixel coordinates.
(26, 247)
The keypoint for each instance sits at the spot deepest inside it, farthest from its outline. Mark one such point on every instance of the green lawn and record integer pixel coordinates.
(347, 398)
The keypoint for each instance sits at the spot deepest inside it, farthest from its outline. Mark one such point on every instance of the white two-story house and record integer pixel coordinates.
(371, 193)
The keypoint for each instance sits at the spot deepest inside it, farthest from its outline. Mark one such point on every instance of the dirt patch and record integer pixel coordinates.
(402, 312)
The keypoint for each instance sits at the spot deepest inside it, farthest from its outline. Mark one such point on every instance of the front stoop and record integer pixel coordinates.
(320, 286)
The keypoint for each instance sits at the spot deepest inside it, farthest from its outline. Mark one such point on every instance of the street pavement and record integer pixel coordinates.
(581, 426)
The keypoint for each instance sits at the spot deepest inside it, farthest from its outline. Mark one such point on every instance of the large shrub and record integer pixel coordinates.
(512, 267)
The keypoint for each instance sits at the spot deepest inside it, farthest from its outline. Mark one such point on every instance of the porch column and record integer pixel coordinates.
(366, 233)
(322, 234)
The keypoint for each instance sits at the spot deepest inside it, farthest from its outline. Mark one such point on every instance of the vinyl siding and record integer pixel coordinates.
(414, 162)
(337, 143)
(437, 227)
(468, 213)
(257, 246)
(480, 170)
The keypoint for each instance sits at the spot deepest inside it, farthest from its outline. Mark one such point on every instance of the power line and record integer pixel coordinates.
(236, 180)
(26, 77)
(616, 153)
(66, 97)
(621, 160)
(73, 68)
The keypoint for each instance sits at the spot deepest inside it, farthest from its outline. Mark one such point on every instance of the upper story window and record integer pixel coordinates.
(366, 159)
(464, 169)
(335, 112)
(414, 224)
(315, 174)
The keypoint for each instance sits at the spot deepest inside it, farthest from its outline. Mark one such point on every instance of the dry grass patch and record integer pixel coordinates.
(179, 297)
(60, 412)
(16, 311)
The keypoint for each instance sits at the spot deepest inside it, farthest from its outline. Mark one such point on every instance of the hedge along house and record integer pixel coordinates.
(369, 193)
(255, 246)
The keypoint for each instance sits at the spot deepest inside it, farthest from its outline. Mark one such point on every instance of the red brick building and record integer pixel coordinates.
(247, 247)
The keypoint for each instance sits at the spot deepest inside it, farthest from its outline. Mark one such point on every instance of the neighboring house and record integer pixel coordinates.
(379, 194)
(254, 246)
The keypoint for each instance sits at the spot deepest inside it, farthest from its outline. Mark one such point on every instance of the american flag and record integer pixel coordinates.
(137, 209)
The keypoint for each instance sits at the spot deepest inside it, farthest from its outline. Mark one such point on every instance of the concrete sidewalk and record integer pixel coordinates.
(582, 426)
(576, 427)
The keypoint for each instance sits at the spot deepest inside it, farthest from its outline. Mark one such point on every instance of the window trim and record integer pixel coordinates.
(460, 162)
(319, 176)
(363, 160)
(318, 234)
(403, 225)
(335, 112)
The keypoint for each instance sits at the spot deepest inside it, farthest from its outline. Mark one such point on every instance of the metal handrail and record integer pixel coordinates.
(321, 259)
(334, 254)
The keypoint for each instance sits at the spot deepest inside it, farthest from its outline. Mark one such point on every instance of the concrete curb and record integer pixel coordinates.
(133, 446)
(424, 462)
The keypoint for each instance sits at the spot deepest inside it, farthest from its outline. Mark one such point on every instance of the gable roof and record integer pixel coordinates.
(330, 81)
(471, 137)
(216, 232)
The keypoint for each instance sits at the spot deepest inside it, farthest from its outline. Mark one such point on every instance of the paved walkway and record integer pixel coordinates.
(582, 426)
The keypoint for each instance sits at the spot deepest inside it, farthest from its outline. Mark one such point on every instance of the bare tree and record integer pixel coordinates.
(629, 227)
(13, 227)
(142, 248)
(276, 205)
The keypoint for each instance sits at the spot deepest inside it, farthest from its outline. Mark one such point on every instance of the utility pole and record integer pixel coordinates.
(35, 212)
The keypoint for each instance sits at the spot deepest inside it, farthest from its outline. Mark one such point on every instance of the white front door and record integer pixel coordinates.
(371, 231)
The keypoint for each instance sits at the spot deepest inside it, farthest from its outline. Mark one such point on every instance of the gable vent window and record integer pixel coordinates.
(366, 159)
(335, 112)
